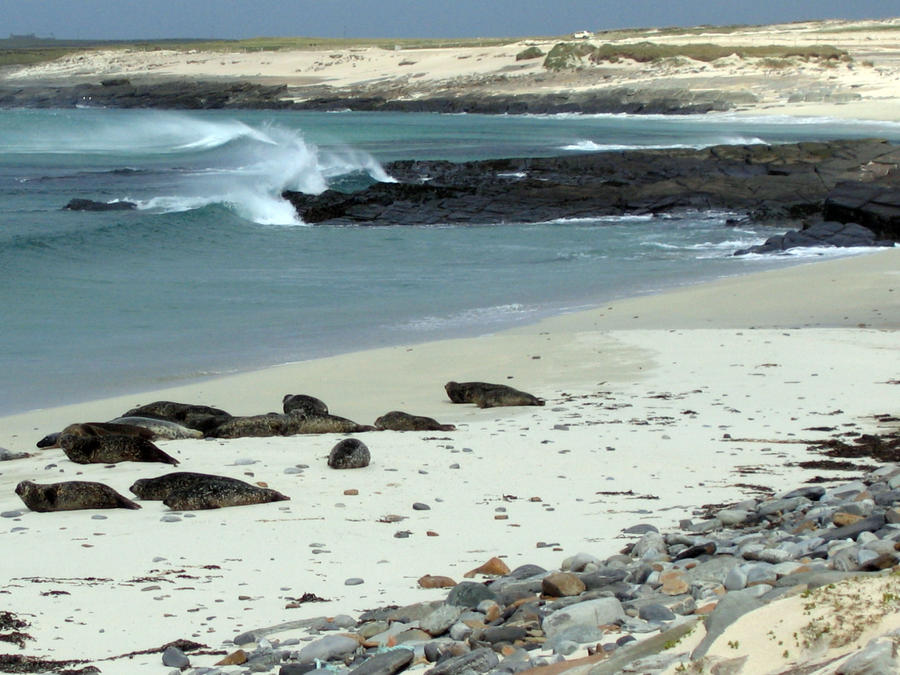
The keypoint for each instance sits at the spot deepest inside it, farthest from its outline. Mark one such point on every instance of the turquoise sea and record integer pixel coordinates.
(213, 273)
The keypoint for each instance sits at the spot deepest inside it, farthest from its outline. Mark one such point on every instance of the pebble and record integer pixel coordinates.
(353, 581)
(721, 567)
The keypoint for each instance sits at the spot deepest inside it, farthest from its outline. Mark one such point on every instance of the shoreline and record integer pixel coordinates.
(684, 398)
(646, 305)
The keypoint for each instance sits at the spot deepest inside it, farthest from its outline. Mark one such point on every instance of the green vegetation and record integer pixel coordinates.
(532, 52)
(567, 55)
(570, 54)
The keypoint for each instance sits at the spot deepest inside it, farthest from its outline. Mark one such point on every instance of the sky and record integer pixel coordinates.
(234, 19)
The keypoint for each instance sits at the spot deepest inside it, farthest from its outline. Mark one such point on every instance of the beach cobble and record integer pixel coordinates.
(630, 608)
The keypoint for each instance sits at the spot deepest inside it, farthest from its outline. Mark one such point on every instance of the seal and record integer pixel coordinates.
(298, 423)
(162, 429)
(94, 429)
(397, 420)
(270, 424)
(350, 453)
(111, 449)
(70, 496)
(199, 484)
(487, 395)
(187, 491)
(303, 403)
(199, 417)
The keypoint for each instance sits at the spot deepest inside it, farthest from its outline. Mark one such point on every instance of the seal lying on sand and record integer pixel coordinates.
(397, 420)
(111, 448)
(487, 395)
(199, 417)
(303, 403)
(70, 496)
(270, 424)
(299, 423)
(95, 429)
(187, 491)
(162, 429)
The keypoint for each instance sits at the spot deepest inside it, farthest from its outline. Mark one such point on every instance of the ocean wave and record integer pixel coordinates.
(815, 252)
(478, 316)
(219, 160)
(587, 145)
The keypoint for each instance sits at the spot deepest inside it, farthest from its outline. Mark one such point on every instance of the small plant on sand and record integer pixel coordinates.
(532, 52)
(567, 55)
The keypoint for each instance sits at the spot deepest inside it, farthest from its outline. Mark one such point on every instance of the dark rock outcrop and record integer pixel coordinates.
(875, 204)
(768, 183)
(91, 205)
(122, 93)
(828, 233)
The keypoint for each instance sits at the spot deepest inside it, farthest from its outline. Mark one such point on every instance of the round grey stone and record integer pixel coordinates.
(353, 581)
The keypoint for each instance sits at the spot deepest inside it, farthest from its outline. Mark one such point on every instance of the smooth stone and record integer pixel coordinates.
(460, 631)
(479, 660)
(590, 613)
(779, 506)
(11, 514)
(578, 562)
(353, 581)
(761, 574)
(469, 594)
(327, 648)
(175, 658)
(652, 546)
(656, 612)
(732, 517)
(440, 620)
(736, 579)
(562, 584)
(642, 528)
(494, 634)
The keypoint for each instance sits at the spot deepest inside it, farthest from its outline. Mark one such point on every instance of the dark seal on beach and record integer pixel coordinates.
(309, 405)
(95, 429)
(70, 496)
(199, 417)
(397, 420)
(187, 491)
(300, 423)
(162, 429)
(487, 395)
(158, 489)
(350, 453)
(111, 449)
(270, 424)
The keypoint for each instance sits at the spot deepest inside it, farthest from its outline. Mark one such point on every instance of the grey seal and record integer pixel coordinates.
(299, 423)
(487, 395)
(270, 424)
(71, 495)
(199, 417)
(397, 420)
(303, 403)
(94, 429)
(350, 453)
(111, 449)
(162, 429)
(187, 491)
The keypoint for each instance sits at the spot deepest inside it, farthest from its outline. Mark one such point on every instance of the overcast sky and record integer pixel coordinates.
(147, 19)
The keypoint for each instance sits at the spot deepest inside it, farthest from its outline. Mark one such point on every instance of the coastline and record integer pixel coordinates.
(651, 394)
(861, 83)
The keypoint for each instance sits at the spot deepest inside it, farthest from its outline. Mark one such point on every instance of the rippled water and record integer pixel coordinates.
(215, 273)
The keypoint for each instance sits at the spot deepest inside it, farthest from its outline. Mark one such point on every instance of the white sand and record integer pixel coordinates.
(639, 396)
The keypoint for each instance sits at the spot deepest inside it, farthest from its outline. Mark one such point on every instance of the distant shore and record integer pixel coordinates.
(827, 68)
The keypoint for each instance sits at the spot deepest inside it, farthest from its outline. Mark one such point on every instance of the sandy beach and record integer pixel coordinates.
(862, 84)
(681, 397)
(655, 405)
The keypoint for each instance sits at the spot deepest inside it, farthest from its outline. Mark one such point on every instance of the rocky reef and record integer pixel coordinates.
(801, 183)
